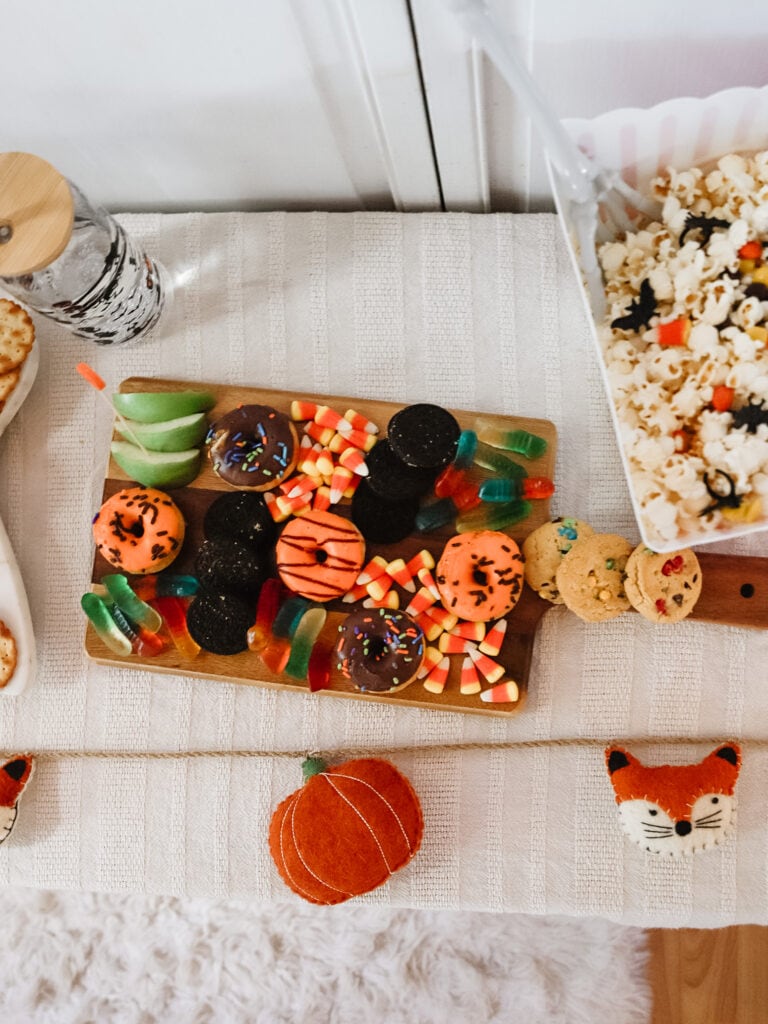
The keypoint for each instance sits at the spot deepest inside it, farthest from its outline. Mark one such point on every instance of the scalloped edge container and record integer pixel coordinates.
(640, 144)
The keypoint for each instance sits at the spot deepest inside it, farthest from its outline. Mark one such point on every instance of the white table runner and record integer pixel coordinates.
(479, 312)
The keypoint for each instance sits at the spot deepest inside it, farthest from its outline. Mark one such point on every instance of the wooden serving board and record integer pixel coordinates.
(247, 667)
(734, 591)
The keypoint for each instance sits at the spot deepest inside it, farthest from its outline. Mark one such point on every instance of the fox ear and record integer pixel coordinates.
(14, 775)
(729, 753)
(616, 758)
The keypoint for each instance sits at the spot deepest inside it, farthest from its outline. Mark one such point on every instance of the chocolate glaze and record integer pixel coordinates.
(379, 649)
(253, 447)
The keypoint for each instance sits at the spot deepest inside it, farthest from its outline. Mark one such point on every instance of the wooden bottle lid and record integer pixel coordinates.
(36, 214)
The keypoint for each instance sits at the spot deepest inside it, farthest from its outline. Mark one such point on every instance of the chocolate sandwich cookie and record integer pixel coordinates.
(663, 588)
(590, 578)
(240, 515)
(253, 447)
(424, 436)
(393, 479)
(220, 622)
(381, 521)
(232, 567)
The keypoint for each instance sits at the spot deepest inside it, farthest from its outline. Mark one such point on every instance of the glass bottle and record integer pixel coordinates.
(70, 260)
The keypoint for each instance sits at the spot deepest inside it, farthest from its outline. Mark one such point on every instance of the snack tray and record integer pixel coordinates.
(247, 667)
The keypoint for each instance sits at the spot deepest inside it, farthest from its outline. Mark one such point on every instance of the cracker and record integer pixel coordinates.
(8, 382)
(17, 335)
(7, 654)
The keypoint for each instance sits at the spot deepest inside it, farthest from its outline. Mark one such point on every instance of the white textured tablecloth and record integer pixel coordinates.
(480, 312)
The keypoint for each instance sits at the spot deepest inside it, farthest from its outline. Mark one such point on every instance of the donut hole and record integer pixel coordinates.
(378, 648)
(480, 577)
(136, 528)
(321, 556)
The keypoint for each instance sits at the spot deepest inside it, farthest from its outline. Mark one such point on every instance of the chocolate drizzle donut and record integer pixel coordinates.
(253, 447)
(379, 649)
(319, 555)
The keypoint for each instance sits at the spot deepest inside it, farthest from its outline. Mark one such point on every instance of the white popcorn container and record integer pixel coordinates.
(640, 144)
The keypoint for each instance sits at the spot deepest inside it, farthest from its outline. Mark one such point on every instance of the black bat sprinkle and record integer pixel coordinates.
(705, 225)
(640, 310)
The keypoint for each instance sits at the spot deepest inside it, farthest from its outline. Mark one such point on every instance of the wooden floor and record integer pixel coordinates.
(709, 976)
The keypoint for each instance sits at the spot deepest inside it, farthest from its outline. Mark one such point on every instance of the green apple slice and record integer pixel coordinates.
(168, 435)
(156, 406)
(156, 469)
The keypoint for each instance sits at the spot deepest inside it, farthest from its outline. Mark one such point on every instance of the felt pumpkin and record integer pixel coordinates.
(346, 830)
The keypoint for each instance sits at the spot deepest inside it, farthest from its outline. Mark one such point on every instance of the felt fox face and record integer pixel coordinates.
(675, 809)
(14, 775)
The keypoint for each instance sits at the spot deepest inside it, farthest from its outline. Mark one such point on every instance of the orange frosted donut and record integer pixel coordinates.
(139, 530)
(480, 575)
(319, 555)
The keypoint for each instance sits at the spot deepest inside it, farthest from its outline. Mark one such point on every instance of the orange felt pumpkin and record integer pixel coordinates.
(346, 830)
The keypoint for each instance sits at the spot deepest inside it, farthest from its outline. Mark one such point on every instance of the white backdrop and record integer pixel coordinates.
(302, 104)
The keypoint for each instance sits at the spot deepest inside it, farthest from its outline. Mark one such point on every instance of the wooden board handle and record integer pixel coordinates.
(734, 591)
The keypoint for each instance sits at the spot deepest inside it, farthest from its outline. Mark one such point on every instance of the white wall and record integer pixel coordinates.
(188, 104)
(259, 104)
(588, 56)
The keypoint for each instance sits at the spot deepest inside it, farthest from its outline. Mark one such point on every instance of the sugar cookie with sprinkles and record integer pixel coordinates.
(253, 447)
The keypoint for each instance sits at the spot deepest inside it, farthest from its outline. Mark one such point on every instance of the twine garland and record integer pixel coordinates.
(349, 752)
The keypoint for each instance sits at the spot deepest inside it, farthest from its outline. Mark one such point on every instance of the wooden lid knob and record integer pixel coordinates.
(36, 213)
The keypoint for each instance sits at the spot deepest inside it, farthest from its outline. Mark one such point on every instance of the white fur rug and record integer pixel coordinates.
(71, 957)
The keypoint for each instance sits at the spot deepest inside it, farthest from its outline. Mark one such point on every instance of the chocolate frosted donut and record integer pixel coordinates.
(379, 649)
(253, 447)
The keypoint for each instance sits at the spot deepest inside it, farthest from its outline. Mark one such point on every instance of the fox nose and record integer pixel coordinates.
(683, 828)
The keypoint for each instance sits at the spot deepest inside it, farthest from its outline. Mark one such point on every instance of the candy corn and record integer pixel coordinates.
(340, 480)
(494, 638)
(379, 587)
(359, 422)
(449, 643)
(432, 657)
(328, 417)
(427, 581)
(320, 434)
(322, 499)
(469, 681)
(353, 459)
(399, 573)
(488, 668)
(420, 602)
(474, 631)
(438, 677)
(505, 693)
(375, 568)
(303, 410)
(389, 600)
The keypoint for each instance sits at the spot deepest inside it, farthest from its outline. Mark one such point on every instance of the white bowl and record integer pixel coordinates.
(640, 144)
